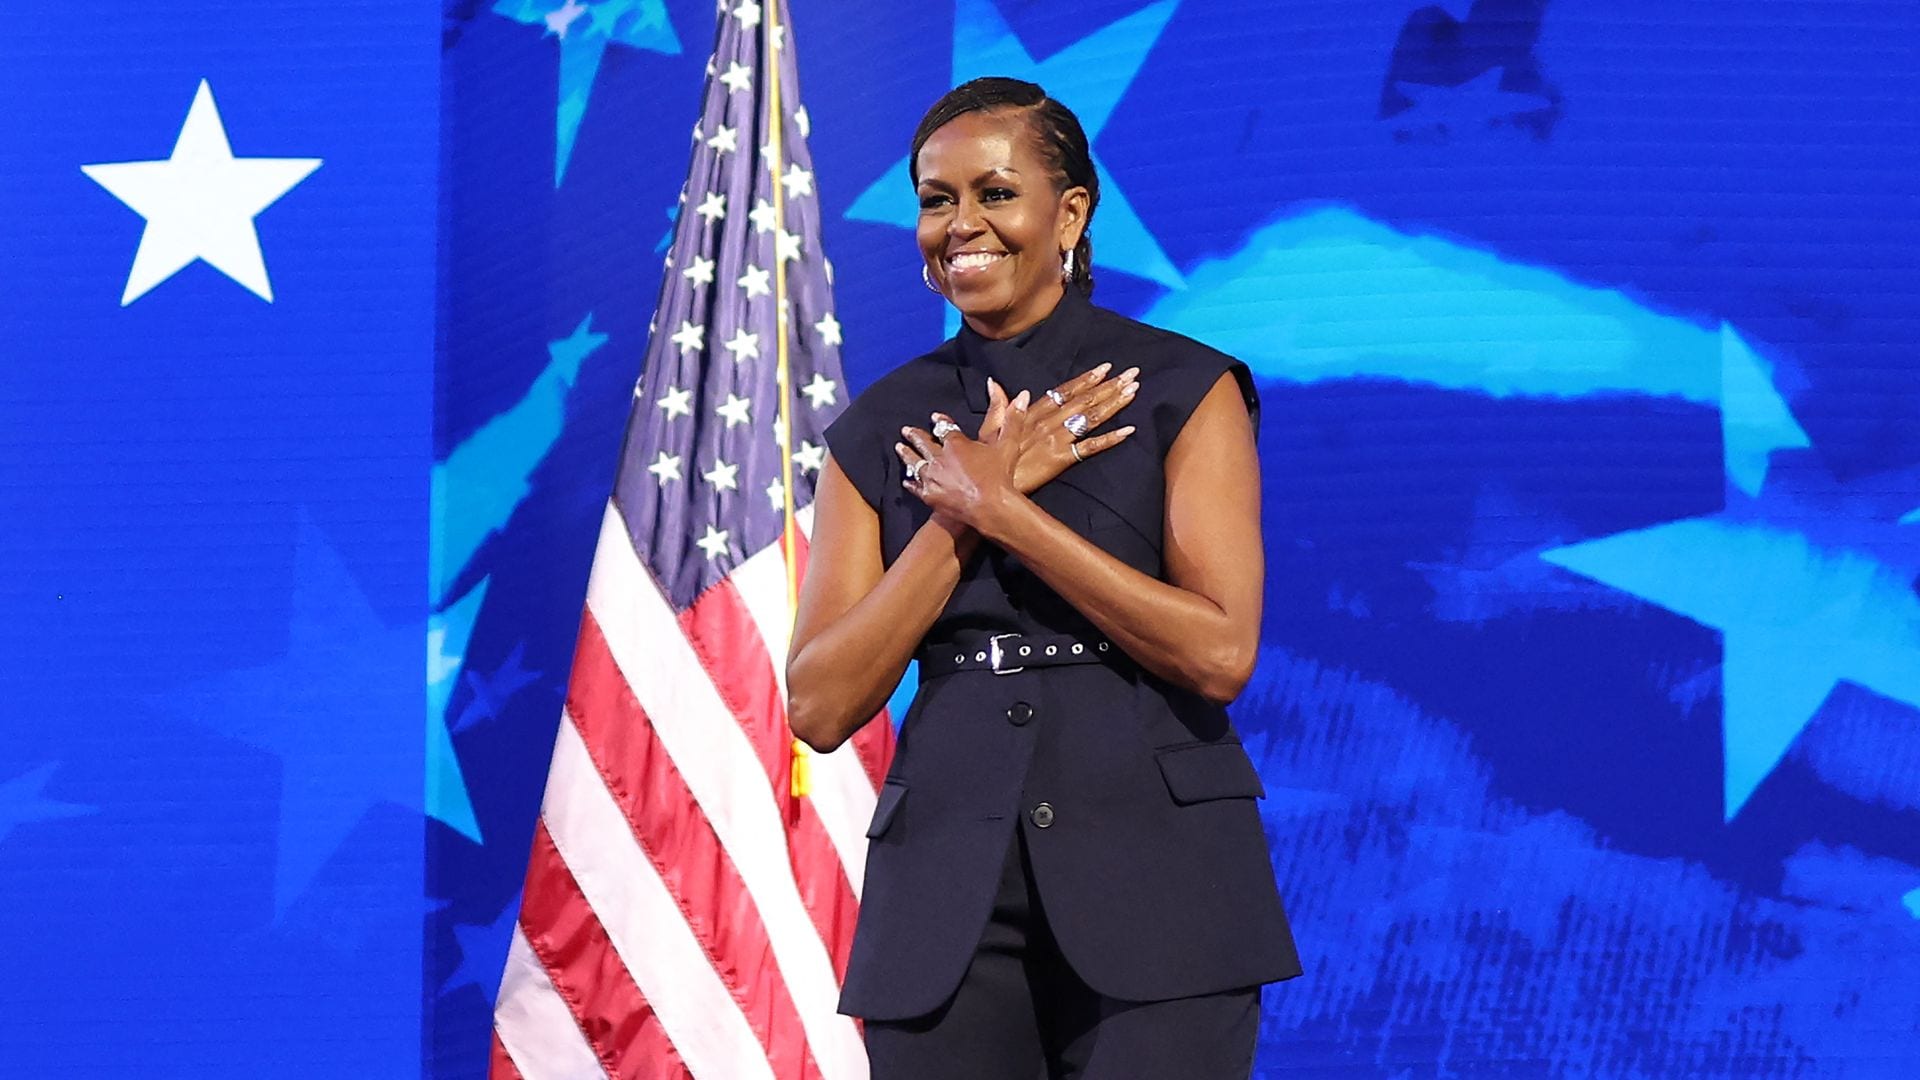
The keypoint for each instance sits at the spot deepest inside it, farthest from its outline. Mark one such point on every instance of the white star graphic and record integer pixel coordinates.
(739, 77)
(676, 402)
(713, 207)
(721, 476)
(748, 13)
(560, 19)
(798, 181)
(200, 203)
(763, 216)
(701, 272)
(743, 345)
(689, 337)
(820, 392)
(755, 281)
(810, 457)
(735, 410)
(777, 494)
(725, 139)
(666, 467)
(714, 543)
(788, 244)
(829, 328)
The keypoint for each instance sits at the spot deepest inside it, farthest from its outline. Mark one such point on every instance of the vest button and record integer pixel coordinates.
(1042, 816)
(1019, 714)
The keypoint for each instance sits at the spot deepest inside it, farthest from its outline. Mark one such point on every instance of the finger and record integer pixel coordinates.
(1084, 381)
(1108, 400)
(1098, 444)
(996, 417)
(906, 454)
(920, 440)
(1020, 403)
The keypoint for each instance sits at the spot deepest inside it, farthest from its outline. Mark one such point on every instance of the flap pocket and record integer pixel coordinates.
(1198, 772)
(891, 793)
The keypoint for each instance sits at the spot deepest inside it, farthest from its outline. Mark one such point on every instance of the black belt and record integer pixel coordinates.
(1004, 654)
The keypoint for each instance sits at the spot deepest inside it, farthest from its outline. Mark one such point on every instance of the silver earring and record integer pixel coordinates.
(927, 280)
(1066, 267)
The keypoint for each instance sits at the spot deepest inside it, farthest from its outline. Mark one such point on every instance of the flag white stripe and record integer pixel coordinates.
(842, 793)
(645, 925)
(535, 1025)
(723, 772)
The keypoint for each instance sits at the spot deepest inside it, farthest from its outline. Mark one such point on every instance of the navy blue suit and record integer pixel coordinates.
(1148, 852)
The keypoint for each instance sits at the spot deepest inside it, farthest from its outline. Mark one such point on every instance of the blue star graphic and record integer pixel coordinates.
(585, 31)
(22, 801)
(484, 478)
(313, 709)
(1089, 76)
(448, 632)
(492, 692)
(1454, 111)
(1804, 594)
(483, 951)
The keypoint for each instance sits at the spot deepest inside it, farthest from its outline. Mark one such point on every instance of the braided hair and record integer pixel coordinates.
(1062, 145)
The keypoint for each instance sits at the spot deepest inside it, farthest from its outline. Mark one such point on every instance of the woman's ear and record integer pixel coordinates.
(1073, 216)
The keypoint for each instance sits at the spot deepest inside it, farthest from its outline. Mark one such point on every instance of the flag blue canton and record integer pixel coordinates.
(705, 467)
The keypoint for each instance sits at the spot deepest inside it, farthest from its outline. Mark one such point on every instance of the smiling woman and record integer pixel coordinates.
(1066, 873)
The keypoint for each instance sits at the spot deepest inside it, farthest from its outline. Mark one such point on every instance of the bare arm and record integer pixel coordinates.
(857, 627)
(1200, 628)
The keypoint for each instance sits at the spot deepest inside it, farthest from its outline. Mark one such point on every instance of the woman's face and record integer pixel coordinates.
(992, 228)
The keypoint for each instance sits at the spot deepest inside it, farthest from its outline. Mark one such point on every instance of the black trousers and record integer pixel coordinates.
(1022, 1014)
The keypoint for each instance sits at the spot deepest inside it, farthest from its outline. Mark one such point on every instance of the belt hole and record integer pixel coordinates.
(960, 659)
(1078, 648)
(1103, 646)
(1025, 649)
(979, 656)
(1051, 649)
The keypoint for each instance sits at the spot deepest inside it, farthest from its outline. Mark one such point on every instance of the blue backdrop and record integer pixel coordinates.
(1590, 703)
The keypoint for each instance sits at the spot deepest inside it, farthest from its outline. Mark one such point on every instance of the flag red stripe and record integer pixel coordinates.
(724, 636)
(619, 1023)
(680, 842)
(499, 1065)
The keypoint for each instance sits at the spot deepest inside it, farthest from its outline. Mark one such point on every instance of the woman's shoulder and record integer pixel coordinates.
(1176, 371)
(1152, 347)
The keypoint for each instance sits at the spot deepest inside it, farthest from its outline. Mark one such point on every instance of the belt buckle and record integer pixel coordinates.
(995, 654)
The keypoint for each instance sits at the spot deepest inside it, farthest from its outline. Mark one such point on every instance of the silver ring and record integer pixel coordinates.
(1076, 424)
(943, 428)
(1057, 397)
(1075, 448)
(913, 470)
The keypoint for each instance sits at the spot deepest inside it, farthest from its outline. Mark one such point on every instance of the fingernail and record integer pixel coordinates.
(1021, 401)
(906, 431)
(991, 385)
(1126, 430)
(1130, 389)
(1103, 369)
(1130, 373)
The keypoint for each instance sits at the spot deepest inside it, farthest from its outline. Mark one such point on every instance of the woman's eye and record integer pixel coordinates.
(996, 194)
(928, 202)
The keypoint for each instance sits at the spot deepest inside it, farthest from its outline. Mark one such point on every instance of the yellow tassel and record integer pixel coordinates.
(802, 774)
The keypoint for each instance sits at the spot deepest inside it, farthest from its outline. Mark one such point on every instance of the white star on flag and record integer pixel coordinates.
(798, 182)
(714, 543)
(676, 402)
(200, 203)
(713, 207)
(689, 337)
(701, 272)
(805, 124)
(739, 77)
(724, 140)
(748, 13)
(721, 476)
(735, 410)
(777, 494)
(743, 345)
(666, 467)
(762, 215)
(788, 244)
(756, 281)
(820, 392)
(810, 457)
(829, 328)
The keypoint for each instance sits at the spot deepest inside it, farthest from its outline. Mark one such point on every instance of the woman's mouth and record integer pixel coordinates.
(973, 262)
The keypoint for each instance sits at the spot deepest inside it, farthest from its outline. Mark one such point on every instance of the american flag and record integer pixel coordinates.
(691, 895)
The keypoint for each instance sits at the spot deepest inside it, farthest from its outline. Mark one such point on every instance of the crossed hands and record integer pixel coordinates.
(1022, 445)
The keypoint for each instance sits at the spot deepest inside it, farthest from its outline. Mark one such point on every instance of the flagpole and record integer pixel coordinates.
(790, 529)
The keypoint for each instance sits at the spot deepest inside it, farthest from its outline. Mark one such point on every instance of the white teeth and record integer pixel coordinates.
(974, 260)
